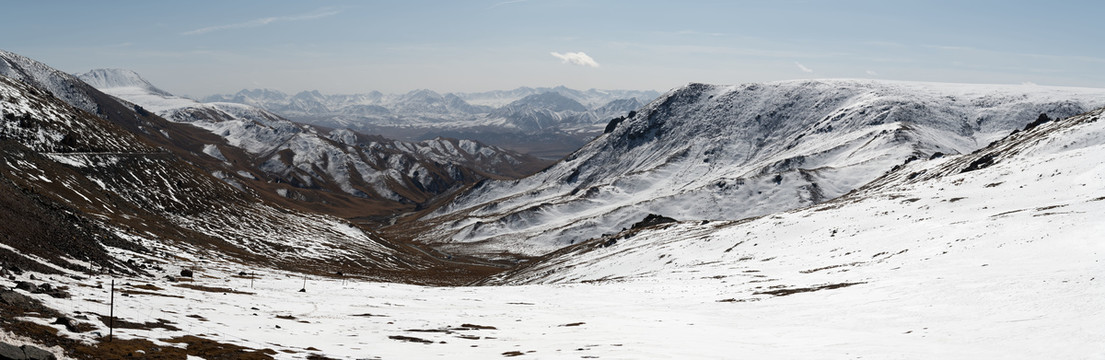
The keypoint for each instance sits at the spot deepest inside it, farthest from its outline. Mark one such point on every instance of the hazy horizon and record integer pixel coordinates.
(203, 48)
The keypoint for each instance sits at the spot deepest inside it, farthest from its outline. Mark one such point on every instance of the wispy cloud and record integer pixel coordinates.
(728, 50)
(803, 67)
(506, 3)
(872, 73)
(317, 14)
(950, 47)
(698, 33)
(577, 58)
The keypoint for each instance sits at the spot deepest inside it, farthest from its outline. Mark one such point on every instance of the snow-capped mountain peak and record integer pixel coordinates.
(119, 78)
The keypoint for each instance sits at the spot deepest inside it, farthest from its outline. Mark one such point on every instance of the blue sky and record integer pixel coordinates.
(203, 47)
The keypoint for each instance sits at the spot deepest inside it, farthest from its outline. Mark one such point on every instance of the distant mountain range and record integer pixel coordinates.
(548, 122)
(309, 158)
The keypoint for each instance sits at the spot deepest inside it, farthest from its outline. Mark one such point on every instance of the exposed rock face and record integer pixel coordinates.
(25, 352)
(653, 219)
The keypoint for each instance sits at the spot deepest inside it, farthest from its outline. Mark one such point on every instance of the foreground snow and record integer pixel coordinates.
(995, 303)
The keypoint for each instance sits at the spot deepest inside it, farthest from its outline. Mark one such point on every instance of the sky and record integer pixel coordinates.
(198, 48)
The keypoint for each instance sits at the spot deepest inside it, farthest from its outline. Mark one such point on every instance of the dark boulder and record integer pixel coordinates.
(1042, 119)
(653, 219)
(34, 353)
(26, 286)
(25, 352)
(11, 352)
(185, 273)
(613, 124)
(69, 324)
(16, 300)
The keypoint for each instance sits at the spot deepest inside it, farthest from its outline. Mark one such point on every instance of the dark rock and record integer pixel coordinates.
(1042, 119)
(653, 219)
(15, 299)
(185, 273)
(980, 163)
(242, 273)
(303, 290)
(170, 278)
(34, 353)
(613, 124)
(11, 352)
(58, 293)
(25, 352)
(69, 324)
(26, 286)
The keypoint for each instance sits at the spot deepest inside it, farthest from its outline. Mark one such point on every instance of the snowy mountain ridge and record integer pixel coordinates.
(119, 78)
(61, 84)
(303, 156)
(124, 194)
(732, 152)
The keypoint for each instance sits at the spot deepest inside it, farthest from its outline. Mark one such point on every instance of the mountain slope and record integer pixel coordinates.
(96, 189)
(1038, 189)
(716, 152)
(134, 197)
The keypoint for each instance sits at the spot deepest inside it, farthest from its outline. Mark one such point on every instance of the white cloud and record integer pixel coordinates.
(1029, 83)
(872, 73)
(577, 58)
(318, 14)
(803, 67)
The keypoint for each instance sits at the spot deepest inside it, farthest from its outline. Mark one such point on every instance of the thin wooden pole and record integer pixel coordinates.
(111, 321)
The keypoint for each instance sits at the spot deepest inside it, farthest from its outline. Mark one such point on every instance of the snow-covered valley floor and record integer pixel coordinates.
(1003, 262)
(993, 303)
